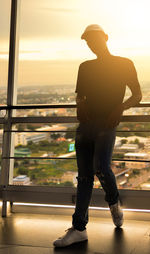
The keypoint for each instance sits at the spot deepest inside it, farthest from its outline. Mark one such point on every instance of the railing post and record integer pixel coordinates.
(8, 137)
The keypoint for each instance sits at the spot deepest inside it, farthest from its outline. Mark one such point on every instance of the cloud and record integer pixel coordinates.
(68, 10)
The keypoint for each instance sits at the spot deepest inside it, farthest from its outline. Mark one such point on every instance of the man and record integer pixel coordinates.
(100, 91)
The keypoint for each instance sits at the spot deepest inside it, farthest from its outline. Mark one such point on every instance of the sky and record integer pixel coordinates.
(50, 47)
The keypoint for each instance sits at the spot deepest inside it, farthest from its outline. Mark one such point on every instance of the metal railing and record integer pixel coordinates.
(11, 192)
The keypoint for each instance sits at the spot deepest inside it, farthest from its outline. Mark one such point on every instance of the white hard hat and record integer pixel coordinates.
(93, 27)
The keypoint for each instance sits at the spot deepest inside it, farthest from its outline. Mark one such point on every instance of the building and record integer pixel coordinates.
(22, 152)
(21, 180)
(127, 148)
(20, 138)
(140, 157)
(54, 179)
(36, 137)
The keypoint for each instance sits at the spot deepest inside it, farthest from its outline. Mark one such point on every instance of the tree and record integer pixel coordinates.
(122, 164)
(136, 141)
(44, 143)
(55, 136)
(22, 171)
(32, 176)
(31, 127)
(136, 172)
(20, 127)
(124, 141)
(70, 133)
(68, 183)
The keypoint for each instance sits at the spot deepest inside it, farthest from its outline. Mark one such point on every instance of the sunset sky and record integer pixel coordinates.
(51, 50)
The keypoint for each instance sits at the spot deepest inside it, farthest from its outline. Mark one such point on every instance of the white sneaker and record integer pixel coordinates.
(117, 214)
(72, 236)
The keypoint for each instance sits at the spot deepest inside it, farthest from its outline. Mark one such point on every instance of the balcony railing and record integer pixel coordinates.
(59, 195)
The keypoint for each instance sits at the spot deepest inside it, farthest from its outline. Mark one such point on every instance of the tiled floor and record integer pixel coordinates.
(22, 233)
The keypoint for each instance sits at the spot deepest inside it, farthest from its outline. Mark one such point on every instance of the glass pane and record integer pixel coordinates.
(45, 172)
(55, 147)
(48, 63)
(51, 48)
(53, 141)
(132, 146)
(4, 48)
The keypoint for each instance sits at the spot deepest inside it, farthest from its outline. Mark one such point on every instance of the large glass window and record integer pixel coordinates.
(51, 49)
(50, 52)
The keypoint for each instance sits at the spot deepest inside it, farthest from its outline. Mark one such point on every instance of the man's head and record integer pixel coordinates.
(96, 39)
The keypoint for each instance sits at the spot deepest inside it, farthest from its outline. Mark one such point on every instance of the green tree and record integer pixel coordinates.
(32, 176)
(122, 164)
(31, 127)
(44, 143)
(55, 136)
(68, 183)
(70, 133)
(22, 171)
(124, 141)
(20, 127)
(136, 171)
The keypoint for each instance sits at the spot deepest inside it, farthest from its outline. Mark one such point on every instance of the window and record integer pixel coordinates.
(50, 52)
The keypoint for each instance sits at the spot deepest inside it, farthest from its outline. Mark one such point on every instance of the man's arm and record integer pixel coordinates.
(133, 100)
(81, 97)
(133, 84)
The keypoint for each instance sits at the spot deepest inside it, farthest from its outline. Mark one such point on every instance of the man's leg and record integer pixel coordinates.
(104, 144)
(84, 153)
(102, 157)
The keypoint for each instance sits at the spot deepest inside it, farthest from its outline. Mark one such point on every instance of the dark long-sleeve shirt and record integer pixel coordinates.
(103, 83)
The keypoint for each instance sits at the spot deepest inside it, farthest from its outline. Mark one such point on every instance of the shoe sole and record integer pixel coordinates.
(118, 226)
(70, 244)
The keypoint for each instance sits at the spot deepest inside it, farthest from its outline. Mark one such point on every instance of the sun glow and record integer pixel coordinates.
(126, 22)
(55, 36)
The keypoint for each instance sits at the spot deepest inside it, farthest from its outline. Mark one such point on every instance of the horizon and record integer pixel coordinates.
(55, 85)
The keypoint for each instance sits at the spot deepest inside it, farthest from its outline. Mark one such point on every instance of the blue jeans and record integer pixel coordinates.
(94, 147)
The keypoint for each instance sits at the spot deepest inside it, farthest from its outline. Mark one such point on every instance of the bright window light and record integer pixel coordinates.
(72, 206)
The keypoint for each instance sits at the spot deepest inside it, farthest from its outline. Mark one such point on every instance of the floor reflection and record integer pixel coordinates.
(76, 248)
(118, 244)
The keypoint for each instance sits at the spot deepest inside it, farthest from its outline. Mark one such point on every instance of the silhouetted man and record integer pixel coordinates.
(100, 92)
